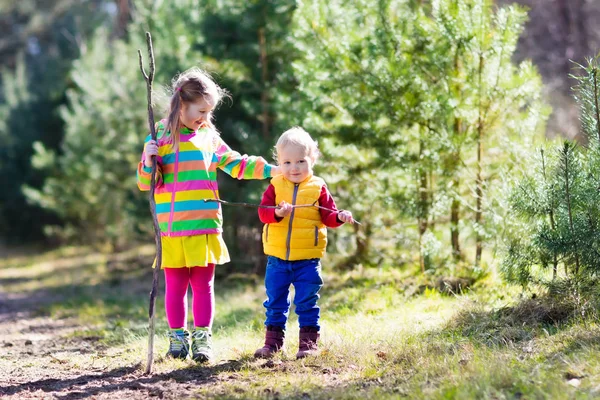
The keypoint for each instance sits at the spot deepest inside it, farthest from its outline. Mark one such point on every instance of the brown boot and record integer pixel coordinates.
(273, 342)
(309, 335)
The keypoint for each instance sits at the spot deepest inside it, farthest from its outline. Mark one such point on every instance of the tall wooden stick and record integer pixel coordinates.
(149, 79)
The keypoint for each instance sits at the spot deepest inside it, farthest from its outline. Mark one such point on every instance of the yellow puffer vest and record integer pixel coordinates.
(301, 235)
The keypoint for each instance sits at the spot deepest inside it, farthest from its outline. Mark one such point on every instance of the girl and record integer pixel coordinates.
(295, 240)
(188, 152)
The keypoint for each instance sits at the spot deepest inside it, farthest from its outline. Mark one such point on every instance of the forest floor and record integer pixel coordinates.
(73, 325)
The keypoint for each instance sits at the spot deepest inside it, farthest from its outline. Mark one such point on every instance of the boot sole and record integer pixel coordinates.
(305, 355)
(201, 358)
(177, 356)
(264, 356)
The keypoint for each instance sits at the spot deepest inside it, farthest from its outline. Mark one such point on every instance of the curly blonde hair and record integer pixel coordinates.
(297, 136)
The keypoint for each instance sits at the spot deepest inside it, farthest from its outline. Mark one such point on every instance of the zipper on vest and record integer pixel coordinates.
(316, 235)
(289, 235)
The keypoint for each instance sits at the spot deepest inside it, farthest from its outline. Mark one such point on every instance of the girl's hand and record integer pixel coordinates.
(150, 149)
(284, 209)
(276, 170)
(345, 216)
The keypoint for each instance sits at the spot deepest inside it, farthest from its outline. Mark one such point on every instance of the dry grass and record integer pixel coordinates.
(73, 325)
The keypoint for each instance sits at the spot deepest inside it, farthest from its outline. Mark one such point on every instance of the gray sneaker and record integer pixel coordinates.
(201, 344)
(179, 344)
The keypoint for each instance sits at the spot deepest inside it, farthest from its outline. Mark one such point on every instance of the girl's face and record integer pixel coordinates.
(193, 115)
(295, 164)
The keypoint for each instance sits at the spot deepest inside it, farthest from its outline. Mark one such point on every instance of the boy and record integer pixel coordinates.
(295, 239)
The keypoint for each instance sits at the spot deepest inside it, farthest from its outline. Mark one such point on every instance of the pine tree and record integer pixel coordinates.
(38, 44)
(93, 185)
(250, 48)
(431, 87)
(556, 213)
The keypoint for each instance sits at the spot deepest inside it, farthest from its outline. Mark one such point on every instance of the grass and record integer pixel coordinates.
(381, 339)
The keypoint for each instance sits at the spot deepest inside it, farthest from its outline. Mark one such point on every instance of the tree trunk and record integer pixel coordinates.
(123, 17)
(568, 196)
(596, 105)
(478, 179)
(573, 17)
(455, 208)
(454, 233)
(552, 221)
(363, 244)
(264, 96)
(580, 25)
(423, 213)
(455, 157)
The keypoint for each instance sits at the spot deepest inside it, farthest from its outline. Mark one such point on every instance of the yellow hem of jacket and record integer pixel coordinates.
(193, 251)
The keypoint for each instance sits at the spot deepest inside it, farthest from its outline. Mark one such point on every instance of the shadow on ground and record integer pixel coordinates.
(125, 379)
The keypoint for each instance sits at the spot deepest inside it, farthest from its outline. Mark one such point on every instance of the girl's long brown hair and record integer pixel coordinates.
(189, 87)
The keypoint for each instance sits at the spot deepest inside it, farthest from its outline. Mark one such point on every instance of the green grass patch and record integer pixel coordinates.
(386, 334)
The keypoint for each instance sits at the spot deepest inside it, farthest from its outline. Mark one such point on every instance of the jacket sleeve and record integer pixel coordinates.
(329, 218)
(267, 215)
(241, 166)
(144, 174)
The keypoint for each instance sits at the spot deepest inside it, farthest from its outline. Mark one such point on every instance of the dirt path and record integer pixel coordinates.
(42, 358)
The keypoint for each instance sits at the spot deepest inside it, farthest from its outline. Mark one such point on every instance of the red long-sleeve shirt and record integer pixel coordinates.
(329, 218)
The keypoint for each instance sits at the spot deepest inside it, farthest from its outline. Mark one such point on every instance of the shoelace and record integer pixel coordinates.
(200, 340)
(177, 342)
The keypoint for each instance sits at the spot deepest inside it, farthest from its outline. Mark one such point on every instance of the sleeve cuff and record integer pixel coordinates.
(146, 169)
(268, 170)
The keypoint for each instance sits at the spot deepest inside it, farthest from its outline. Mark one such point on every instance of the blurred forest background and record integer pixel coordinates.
(429, 114)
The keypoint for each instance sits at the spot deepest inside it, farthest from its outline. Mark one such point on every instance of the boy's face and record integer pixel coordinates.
(295, 164)
(195, 114)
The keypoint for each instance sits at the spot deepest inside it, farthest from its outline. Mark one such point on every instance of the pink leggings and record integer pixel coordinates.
(203, 298)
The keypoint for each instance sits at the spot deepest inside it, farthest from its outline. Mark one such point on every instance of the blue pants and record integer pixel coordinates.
(305, 275)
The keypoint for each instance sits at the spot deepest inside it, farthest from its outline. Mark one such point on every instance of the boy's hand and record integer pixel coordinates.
(276, 170)
(284, 209)
(150, 149)
(345, 216)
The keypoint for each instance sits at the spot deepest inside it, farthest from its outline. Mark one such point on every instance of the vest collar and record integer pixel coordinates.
(307, 179)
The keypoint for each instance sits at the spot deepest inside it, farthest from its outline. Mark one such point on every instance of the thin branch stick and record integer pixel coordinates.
(228, 203)
(149, 78)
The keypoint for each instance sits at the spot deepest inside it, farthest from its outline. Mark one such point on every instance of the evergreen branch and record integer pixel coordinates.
(335, 61)
(386, 26)
(427, 125)
(531, 198)
(509, 103)
(587, 96)
(495, 90)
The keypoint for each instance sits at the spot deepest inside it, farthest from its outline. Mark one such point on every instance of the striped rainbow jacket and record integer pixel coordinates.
(188, 176)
